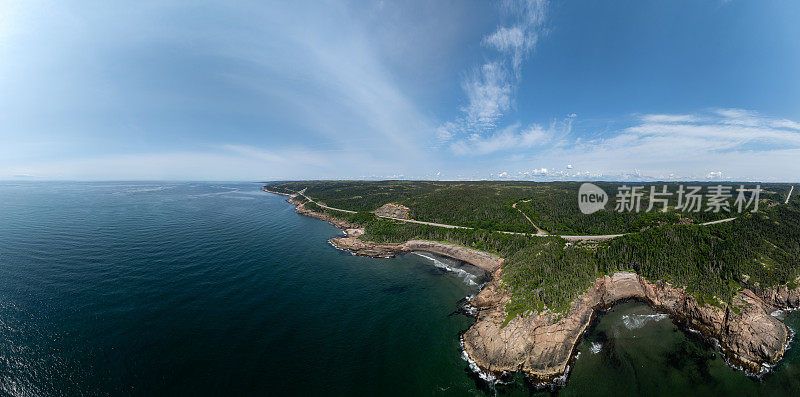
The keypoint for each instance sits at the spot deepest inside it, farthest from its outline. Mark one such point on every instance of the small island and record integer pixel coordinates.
(552, 270)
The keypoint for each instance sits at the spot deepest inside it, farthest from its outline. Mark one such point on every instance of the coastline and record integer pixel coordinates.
(350, 242)
(544, 346)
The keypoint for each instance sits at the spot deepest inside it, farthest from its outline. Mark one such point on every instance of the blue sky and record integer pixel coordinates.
(534, 90)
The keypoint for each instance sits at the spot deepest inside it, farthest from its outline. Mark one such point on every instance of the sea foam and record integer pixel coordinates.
(635, 321)
(469, 278)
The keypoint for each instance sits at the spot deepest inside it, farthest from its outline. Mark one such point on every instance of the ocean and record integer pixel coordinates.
(145, 288)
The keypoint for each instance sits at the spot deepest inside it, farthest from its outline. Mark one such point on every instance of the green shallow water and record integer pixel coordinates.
(218, 288)
(633, 350)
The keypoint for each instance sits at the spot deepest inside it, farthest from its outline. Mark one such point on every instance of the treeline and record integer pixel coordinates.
(553, 206)
(714, 262)
(360, 195)
(757, 250)
(485, 206)
(555, 209)
(387, 231)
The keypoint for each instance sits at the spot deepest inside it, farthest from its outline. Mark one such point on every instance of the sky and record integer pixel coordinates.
(450, 90)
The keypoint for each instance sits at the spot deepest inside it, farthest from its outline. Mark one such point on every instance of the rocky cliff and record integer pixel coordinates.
(483, 260)
(302, 210)
(542, 345)
(352, 243)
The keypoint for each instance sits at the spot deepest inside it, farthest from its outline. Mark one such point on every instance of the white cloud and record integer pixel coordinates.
(507, 139)
(489, 94)
(224, 162)
(732, 144)
(734, 129)
(298, 156)
(669, 118)
(714, 175)
(513, 138)
(783, 123)
(508, 39)
(490, 88)
(326, 83)
(443, 133)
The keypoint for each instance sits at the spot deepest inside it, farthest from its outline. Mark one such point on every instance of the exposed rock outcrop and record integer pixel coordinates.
(367, 248)
(483, 260)
(542, 345)
(781, 298)
(302, 210)
(352, 243)
(393, 210)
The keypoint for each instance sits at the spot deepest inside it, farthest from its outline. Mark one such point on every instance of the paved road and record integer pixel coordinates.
(566, 237)
(789, 196)
(302, 193)
(539, 234)
(423, 223)
(719, 221)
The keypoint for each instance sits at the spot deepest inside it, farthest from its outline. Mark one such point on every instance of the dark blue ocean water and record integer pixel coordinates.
(218, 288)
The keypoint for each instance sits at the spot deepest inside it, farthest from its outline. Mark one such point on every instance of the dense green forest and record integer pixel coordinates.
(553, 206)
(757, 250)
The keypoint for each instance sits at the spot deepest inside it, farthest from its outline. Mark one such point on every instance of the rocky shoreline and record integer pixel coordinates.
(543, 345)
(483, 260)
(479, 259)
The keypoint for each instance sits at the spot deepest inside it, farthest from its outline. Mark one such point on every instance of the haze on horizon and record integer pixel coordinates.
(523, 90)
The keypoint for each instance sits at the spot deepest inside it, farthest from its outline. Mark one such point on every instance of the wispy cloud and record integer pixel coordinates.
(297, 156)
(490, 87)
(246, 73)
(489, 93)
(330, 76)
(669, 118)
(222, 162)
(514, 138)
(717, 144)
(723, 129)
(211, 90)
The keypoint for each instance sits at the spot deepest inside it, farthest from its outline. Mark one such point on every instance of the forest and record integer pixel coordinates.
(756, 250)
(553, 206)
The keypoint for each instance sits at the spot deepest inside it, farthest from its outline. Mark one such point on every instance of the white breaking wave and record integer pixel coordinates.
(486, 376)
(781, 313)
(469, 278)
(561, 380)
(469, 309)
(595, 347)
(634, 321)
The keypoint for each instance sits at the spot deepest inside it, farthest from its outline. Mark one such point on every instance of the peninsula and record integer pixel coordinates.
(552, 269)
